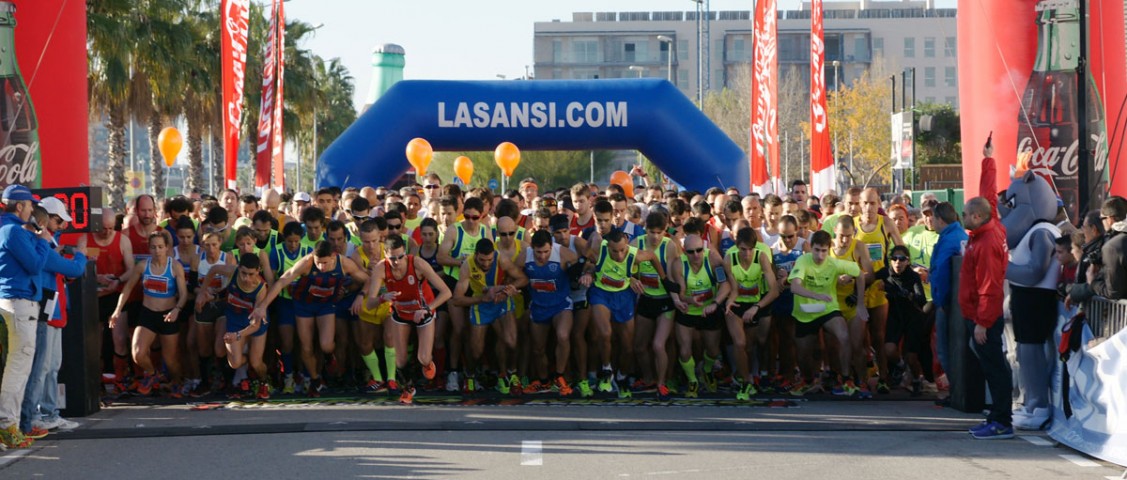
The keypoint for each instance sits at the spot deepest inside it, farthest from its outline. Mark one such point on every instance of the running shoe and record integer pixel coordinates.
(537, 387)
(882, 388)
(642, 386)
(408, 396)
(452, 381)
(471, 385)
(264, 391)
(709, 380)
(663, 392)
(503, 385)
(12, 437)
(245, 389)
(176, 390)
(623, 389)
(57, 423)
(316, 386)
(561, 387)
(801, 388)
(36, 433)
(585, 389)
(745, 392)
(993, 431)
(429, 370)
(515, 385)
(606, 381)
(201, 389)
(148, 384)
(288, 384)
(917, 387)
(375, 386)
(693, 390)
(393, 388)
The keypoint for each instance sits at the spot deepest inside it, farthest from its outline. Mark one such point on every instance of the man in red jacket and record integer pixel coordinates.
(980, 297)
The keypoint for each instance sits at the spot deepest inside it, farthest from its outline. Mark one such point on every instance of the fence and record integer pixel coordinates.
(1106, 317)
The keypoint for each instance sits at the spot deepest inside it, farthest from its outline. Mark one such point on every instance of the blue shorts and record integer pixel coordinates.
(486, 313)
(543, 314)
(284, 311)
(236, 323)
(344, 309)
(783, 307)
(620, 304)
(313, 310)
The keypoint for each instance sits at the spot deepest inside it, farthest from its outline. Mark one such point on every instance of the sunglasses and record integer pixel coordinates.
(471, 217)
(548, 203)
(396, 257)
(788, 237)
(694, 251)
(432, 186)
(396, 226)
(507, 234)
(899, 258)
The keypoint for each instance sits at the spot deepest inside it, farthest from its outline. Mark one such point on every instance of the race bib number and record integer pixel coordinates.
(543, 286)
(650, 280)
(408, 307)
(748, 291)
(611, 282)
(321, 292)
(703, 296)
(876, 252)
(156, 284)
(239, 304)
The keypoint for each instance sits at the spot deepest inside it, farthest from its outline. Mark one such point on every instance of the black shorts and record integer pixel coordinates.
(154, 321)
(701, 322)
(106, 305)
(904, 321)
(211, 312)
(653, 307)
(1034, 311)
(132, 310)
(805, 329)
(740, 308)
(426, 320)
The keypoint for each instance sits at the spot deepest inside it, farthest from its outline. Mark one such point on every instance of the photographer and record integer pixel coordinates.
(1106, 274)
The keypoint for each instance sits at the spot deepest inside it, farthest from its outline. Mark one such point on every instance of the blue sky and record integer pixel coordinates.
(457, 39)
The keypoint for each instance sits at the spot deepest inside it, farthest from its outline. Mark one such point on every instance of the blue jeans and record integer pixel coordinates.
(41, 395)
(941, 337)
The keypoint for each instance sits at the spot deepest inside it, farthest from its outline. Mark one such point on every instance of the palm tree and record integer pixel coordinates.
(201, 104)
(109, 83)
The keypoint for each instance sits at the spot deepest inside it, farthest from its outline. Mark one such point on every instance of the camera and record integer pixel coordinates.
(68, 250)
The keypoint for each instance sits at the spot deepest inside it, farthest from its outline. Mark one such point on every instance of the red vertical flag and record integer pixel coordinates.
(821, 158)
(264, 151)
(234, 23)
(765, 106)
(278, 143)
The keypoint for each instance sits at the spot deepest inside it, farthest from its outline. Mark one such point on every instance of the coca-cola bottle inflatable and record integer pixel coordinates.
(19, 139)
(1048, 137)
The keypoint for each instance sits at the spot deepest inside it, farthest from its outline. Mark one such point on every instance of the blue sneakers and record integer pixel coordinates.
(992, 431)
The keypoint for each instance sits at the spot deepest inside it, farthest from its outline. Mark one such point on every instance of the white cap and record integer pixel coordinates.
(54, 206)
(302, 197)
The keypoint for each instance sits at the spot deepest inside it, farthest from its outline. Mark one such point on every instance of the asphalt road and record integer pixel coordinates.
(840, 440)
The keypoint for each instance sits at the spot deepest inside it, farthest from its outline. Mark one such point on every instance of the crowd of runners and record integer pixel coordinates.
(575, 292)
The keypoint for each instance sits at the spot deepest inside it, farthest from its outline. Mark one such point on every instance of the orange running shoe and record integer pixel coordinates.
(429, 370)
(562, 387)
(408, 396)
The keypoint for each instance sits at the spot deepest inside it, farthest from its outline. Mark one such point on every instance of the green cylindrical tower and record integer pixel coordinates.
(387, 69)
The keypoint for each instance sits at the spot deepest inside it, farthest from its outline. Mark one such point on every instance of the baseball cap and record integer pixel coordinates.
(55, 206)
(302, 197)
(18, 193)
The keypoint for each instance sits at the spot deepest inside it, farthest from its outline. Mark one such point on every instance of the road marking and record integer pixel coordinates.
(13, 456)
(531, 453)
(1079, 461)
(1039, 441)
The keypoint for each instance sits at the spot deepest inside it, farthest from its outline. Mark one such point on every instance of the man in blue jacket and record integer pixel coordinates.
(952, 241)
(22, 258)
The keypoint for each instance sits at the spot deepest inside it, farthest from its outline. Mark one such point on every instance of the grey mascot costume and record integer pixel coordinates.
(1028, 210)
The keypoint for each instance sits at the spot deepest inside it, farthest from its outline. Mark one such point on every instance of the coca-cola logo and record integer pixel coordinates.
(18, 163)
(764, 128)
(1054, 159)
(817, 70)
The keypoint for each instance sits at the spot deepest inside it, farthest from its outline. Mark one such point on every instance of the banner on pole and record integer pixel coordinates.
(278, 142)
(902, 158)
(821, 157)
(264, 150)
(235, 21)
(765, 106)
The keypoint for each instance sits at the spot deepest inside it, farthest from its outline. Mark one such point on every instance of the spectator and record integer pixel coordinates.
(952, 239)
(980, 296)
(1107, 275)
(906, 318)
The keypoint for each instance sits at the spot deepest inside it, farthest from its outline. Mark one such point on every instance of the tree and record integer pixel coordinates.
(859, 123)
(201, 104)
(939, 144)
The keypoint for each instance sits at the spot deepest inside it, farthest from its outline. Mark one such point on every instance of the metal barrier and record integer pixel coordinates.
(1106, 317)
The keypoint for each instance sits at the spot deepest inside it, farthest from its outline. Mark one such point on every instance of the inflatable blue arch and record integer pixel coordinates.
(649, 115)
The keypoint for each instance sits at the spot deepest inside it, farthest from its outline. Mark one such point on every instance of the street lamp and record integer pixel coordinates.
(837, 65)
(640, 70)
(669, 55)
(700, 53)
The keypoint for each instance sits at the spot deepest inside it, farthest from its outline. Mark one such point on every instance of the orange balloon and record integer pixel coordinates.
(170, 141)
(419, 153)
(463, 168)
(623, 180)
(507, 156)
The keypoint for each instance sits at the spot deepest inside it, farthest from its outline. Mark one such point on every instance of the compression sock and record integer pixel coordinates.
(709, 363)
(373, 363)
(690, 368)
(389, 361)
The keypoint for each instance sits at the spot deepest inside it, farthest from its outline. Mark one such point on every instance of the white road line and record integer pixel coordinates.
(531, 453)
(1036, 440)
(1079, 461)
(13, 456)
